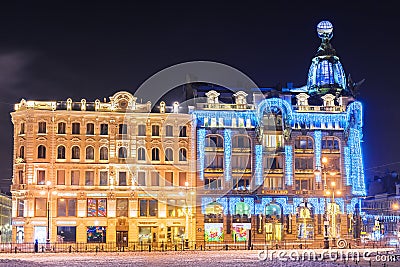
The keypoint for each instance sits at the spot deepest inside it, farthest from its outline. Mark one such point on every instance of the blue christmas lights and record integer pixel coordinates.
(289, 165)
(201, 140)
(283, 105)
(318, 204)
(287, 208)
(347, 164)
(228, 153)
(259, 165)
(226, 115)
(356, 168)
(317, 151)
(351, 207)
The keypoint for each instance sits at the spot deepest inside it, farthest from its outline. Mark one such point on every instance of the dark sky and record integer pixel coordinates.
(93, 49)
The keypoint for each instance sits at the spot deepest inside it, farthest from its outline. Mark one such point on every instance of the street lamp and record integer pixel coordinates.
(186, 215)
(333, 209)
(48, 187)
(317, 172)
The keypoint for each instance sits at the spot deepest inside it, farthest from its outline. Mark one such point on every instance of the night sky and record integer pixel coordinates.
(52, 51)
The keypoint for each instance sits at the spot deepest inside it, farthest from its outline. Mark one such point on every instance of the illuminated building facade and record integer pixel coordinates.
(101, 172)
(287, 163)
(281, 163)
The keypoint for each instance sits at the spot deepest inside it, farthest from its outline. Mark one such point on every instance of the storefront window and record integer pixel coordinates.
(66, 233)
(96, 234)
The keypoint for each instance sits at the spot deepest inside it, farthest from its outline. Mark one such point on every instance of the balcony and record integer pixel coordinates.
(236, 170)
(304, 171)
(334, 109)
(268, 171)
(213, 149)
(241, 150)
(303, 151)
(16, 187)
(224, 106)
(214, 169)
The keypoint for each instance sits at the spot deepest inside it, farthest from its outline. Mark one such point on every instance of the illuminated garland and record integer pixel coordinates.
(259, 165)
(347, 164)
(228, 153)
(201, 139)
(317, 149)
(351, 207)
(356, 169)
(289, 165)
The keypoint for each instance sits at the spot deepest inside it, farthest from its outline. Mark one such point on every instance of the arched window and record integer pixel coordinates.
(104, 153)
(169, 154)
(22, 152)
(330, 143)
(141, 154)
(155, 154)
(75, 152)
(182, 154)
(90, 153)
(122, 152)
(273, 211)
(41, 152)
(61, 152)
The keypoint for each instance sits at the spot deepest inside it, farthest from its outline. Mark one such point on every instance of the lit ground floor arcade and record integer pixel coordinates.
(273, 218)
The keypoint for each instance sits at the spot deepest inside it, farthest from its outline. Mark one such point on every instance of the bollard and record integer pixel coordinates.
(176, 247)
(42, 248)
(149, 248)
(70, 248)
(97, 249)
(226, 247)
(201, 247)
(162, 246)
(15, 249)
(252, 246)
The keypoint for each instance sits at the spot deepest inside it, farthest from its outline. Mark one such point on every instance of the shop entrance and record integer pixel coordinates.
(122, 238)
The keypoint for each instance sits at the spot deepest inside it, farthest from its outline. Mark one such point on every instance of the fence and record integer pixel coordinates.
(161, 246)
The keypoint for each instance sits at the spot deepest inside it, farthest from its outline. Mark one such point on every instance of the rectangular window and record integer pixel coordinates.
(97, 207)
(41, 177)
(123, 129)
(20, 211)
(122, 207)
(169, 130)
(61, 177)
(22, 128)
(61, 128)
(148, 207)
(21, 179)
(66, 207)
(76, 128)
(40, 207)
(142, 130)
(42, 127)
(89, 178)
(122, 178)
(175, 208)
(103, 178)
(155, 130)
(96, 234)
(182, 131)
(169, 178)
(90, 129)
(67, 233)
(242, 183)
(141, 179)
(103, 129)
(212, 183)
(75, 177)
(155, 179)
(182, 178)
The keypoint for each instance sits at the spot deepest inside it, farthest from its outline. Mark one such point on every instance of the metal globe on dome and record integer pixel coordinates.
(325, 30)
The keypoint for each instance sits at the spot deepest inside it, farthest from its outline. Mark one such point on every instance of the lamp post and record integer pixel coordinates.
(333, 210)
(317, 172)
(186, 215)
(48, 187)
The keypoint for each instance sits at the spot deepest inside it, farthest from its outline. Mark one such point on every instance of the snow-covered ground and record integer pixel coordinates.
(168, 259)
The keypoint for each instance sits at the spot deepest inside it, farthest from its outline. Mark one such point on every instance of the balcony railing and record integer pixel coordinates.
(319, 108)
(224, 106)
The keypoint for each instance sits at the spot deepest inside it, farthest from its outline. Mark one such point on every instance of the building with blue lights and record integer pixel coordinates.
(281, 162)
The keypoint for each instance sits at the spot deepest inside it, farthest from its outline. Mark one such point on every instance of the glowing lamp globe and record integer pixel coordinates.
(325, 29)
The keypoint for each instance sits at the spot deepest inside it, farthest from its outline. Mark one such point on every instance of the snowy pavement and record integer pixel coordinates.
(168, 259)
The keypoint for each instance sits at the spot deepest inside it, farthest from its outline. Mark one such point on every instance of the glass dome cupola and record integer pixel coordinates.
(326, 73)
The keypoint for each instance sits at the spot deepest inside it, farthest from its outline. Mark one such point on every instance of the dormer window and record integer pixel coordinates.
(302, 99)
(240, 98)
(329, 100)
(212, 97)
